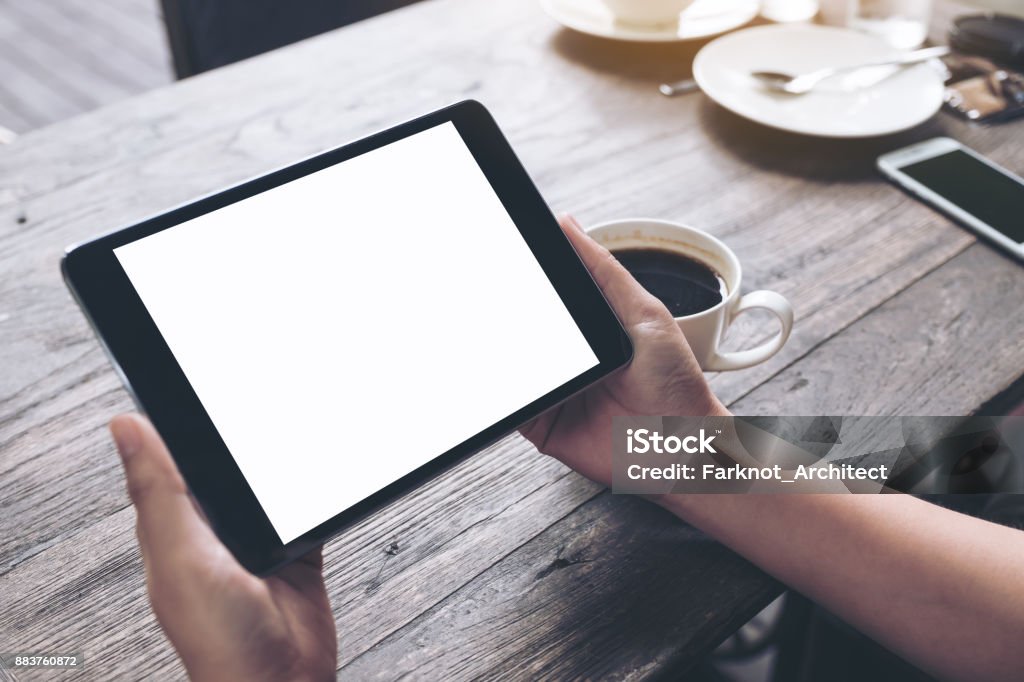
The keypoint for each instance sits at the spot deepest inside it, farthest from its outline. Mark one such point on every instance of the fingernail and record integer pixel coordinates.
(575, 223)
(126, 436)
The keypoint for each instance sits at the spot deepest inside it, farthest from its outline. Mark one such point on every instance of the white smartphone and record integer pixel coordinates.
(964, 185)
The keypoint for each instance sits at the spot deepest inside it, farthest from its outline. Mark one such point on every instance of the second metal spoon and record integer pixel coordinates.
(803, 83)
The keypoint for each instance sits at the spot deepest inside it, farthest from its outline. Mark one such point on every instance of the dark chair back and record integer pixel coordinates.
(205, 34)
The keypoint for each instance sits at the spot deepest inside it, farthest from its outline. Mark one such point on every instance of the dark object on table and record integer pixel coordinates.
(981, 90)
(204, 35)
(995, 36)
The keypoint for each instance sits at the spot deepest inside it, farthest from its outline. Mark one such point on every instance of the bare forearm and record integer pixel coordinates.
(940, 588)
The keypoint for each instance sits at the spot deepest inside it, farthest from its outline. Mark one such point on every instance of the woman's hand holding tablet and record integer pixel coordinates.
(222, 618)
(224, 622)
(273, 332)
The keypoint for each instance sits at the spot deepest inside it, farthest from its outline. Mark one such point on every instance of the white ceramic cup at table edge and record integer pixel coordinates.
(647, 12)
(705, 330)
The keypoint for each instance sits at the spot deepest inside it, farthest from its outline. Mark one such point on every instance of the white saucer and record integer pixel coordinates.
(849, 106)
(701, 19)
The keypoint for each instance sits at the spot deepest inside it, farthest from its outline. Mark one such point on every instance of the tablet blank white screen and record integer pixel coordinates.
(348, 327)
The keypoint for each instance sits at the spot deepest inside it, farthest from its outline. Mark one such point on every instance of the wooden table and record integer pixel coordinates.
(510, 565)
(60, 58)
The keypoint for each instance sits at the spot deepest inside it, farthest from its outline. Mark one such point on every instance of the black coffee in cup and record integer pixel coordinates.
(685, 285)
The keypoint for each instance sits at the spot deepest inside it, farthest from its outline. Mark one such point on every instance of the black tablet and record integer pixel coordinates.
(315, 342)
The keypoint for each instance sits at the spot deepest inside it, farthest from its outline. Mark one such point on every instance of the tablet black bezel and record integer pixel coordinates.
(150, 372)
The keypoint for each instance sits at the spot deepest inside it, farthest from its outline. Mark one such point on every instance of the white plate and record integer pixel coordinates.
(701, 19)
(869, 102)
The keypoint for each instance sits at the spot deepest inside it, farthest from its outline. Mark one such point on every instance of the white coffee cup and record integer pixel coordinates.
(647, 12)
(704, 330)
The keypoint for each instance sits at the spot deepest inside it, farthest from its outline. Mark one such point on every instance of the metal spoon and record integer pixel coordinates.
(678, 87)
(803, 83)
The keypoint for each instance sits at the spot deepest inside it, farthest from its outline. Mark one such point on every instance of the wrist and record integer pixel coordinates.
(683, 504)
(717, 409)
(679, 504)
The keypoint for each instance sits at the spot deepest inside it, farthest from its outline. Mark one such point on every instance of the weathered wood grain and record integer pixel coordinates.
(63, 57)
(943, 346)
(808, 218)
(513, 493)
(593, 597)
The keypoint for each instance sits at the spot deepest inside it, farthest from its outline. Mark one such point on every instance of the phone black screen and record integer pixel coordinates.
(993, 197)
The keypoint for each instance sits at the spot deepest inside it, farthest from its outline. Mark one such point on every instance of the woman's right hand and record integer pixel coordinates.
(663, 378)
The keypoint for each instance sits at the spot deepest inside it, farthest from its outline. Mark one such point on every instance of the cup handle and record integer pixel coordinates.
(765, 300)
